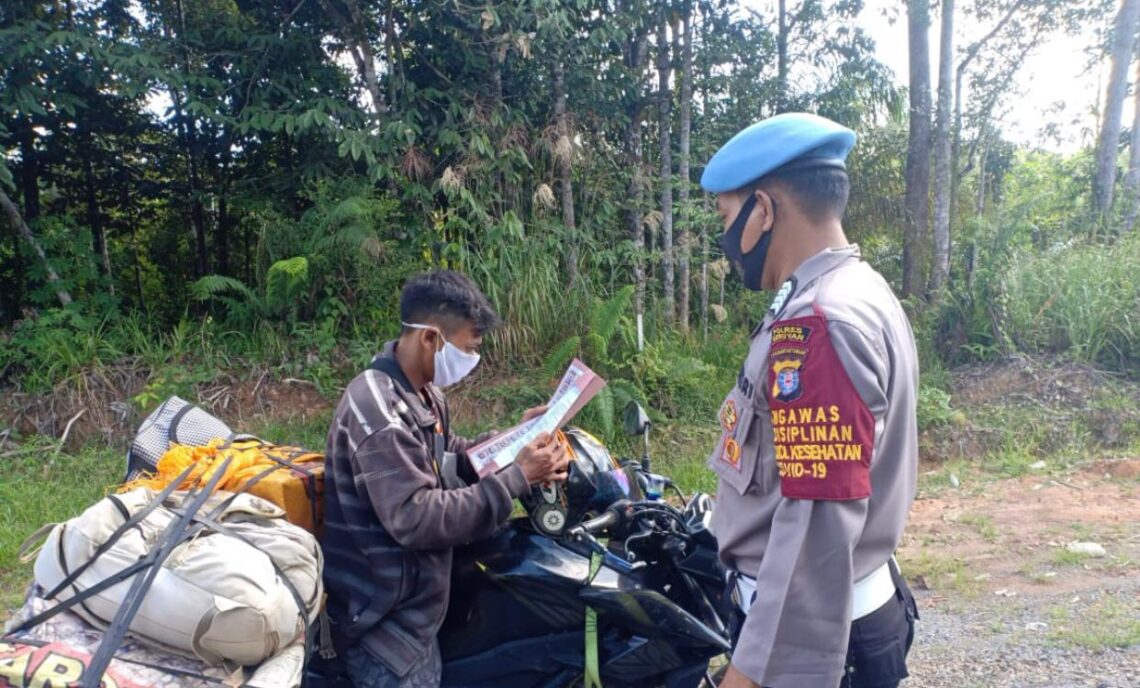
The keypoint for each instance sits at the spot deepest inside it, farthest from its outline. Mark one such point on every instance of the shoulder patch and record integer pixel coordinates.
(823, 431)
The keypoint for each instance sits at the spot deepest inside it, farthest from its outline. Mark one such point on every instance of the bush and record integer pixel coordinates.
(42, 351)
(934, 409)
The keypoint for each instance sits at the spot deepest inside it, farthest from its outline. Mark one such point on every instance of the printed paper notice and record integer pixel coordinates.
(578, 386)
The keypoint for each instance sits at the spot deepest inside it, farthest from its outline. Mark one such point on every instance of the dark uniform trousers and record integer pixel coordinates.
(879, 642)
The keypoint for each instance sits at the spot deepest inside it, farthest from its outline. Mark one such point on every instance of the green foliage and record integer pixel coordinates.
(272, 212)
(934, 409)
(678, 384)
(606, 318)
(168, 381)
(285, 282)
(1082, 300)
(557, 360)
(41, 352)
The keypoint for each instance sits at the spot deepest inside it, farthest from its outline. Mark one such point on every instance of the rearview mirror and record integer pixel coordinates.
(634, 420)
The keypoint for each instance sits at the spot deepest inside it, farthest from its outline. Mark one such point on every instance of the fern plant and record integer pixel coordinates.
(285, 282)
(605, 323)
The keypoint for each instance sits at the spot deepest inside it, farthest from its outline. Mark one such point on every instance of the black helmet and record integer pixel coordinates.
(593, 482)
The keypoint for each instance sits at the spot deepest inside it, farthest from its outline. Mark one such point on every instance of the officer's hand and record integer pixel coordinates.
(543, 460)
(533, 412)
(734, 679)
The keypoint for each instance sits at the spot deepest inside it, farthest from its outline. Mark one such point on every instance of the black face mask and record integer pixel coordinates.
(749, 266)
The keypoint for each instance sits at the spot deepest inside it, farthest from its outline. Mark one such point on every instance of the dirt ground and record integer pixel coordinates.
(1008, 599)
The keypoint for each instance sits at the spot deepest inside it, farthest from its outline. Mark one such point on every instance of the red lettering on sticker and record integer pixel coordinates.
(55, 665)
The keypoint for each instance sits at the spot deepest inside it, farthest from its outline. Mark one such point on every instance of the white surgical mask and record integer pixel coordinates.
(452, 364)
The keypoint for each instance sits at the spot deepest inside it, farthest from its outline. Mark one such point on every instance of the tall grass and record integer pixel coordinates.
(528, 287)
(1082, 300)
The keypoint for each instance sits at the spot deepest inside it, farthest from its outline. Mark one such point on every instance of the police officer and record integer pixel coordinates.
(817, 464)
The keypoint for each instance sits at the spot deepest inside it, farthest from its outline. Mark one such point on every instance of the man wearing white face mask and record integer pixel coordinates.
(399, 495)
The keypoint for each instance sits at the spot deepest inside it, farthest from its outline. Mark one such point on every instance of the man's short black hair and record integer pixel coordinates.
(447, 299)
(820, 192)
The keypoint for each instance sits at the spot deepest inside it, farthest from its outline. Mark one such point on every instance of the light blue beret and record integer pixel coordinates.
(790, 140)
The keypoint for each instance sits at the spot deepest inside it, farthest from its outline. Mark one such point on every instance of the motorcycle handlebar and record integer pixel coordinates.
(613, 516)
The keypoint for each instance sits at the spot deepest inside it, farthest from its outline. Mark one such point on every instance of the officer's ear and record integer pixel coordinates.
(765, 211)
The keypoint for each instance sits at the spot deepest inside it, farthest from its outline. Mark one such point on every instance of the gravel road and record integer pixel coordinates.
(1046, 641)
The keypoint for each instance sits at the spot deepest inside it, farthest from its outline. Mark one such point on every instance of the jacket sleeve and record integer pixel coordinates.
(459, 445)
(391, 468)
(796, 632)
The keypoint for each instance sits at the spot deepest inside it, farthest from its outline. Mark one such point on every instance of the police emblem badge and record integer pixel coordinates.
(787, 367)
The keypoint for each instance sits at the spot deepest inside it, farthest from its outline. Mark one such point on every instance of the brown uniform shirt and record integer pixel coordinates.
(806, 554)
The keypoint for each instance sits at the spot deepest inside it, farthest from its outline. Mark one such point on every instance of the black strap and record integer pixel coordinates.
(119, 532)
(902, 590)
(172, 671)
(99, 587)
(302, 606)
(309, 481)
(171, 537)
(199, 499)
(172, 434)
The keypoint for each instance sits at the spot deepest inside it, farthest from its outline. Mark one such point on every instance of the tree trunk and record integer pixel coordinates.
(664, 128)
(392, 53)
(189, 141)
(30, 190)
(940, 270)
(782, 57)
(1132, 179)
(223, 238)
(1123, 39)
(685, 240)
(11, 297)
(94, 218)
(17, 223)
(635, 61)
(193, 187)
(980, 198)
(132, 220)
(918, 144)
(956, 172)
(564, 160)
(29, 172)
(704, 238)
(354, 35)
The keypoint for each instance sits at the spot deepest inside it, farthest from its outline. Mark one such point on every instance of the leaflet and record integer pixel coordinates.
(578, 386)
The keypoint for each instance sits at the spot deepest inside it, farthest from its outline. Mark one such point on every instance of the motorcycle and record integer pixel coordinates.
(605, 541)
